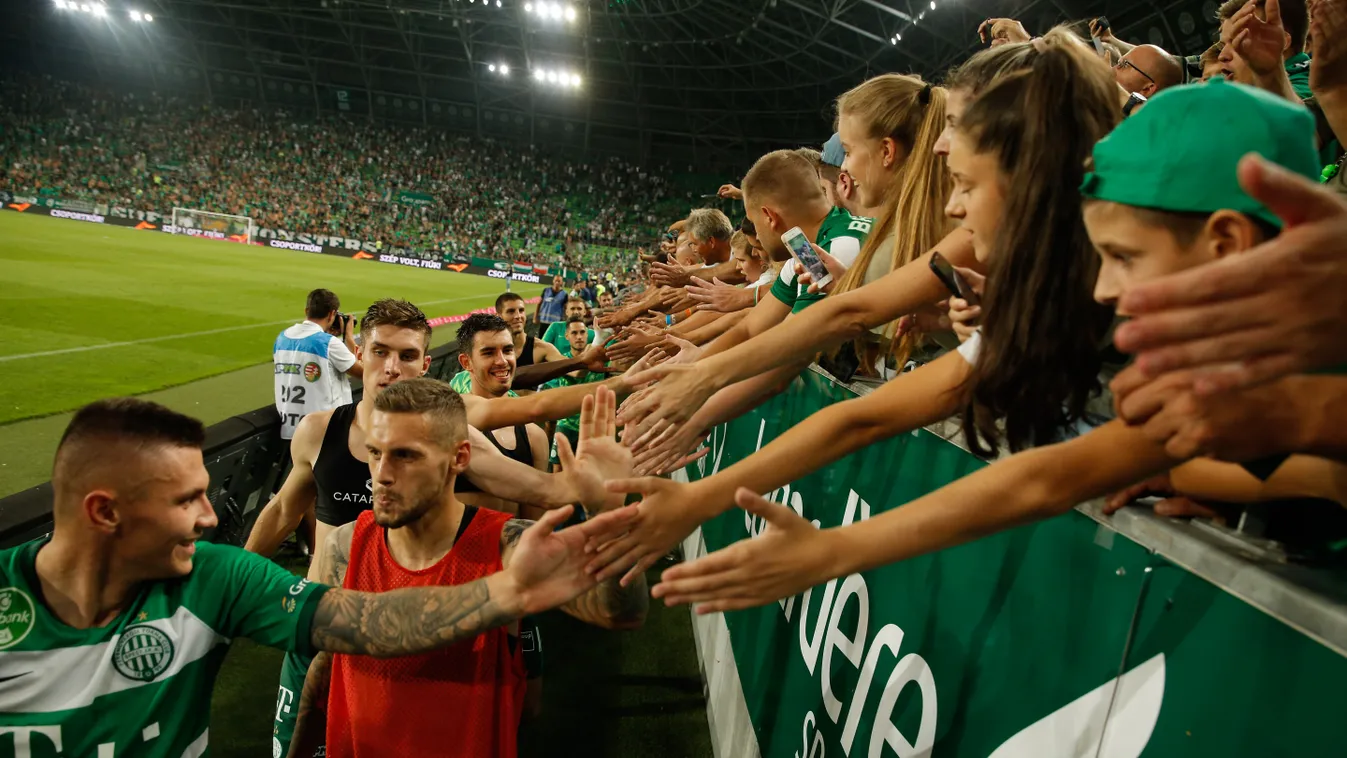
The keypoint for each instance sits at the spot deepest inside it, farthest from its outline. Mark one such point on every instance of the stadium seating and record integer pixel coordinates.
(429, 193)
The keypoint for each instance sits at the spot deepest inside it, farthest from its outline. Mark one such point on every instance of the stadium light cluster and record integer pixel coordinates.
(559, 78)
(95, 9)
(551, 11)
(503, 69)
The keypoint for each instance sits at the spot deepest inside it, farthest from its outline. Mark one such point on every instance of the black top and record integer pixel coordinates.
(522, 452)
(525, 357)
(344, 484)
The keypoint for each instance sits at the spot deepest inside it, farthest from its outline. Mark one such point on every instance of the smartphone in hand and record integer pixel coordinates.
(953, 280)
(800, 249)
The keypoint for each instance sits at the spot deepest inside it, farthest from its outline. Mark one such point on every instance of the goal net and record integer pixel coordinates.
(221, 226)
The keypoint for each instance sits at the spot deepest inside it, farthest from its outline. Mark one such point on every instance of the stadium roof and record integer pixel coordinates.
(722, 77)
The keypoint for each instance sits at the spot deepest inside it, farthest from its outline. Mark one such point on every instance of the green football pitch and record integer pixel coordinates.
(91, 311)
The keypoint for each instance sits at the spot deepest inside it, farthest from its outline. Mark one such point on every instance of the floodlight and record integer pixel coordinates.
(492, 67)
(504, 69)
(100, 10)
(148, 17)
(570, 13)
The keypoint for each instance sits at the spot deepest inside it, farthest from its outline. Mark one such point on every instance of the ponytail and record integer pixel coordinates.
(1042, 330)
(913, 114)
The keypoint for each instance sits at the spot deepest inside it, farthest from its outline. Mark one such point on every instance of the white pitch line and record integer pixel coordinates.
(147, 340)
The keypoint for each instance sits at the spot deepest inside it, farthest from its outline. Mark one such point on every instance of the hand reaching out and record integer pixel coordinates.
(790, 556)
(600, 458)
(1260, 42)
(730, 192)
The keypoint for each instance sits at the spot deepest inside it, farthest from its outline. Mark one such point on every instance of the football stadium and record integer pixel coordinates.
(673, 378)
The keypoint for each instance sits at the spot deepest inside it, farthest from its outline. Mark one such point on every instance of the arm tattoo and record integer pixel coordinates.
(612, 606)
(401, 622)
(609, 604)
(311, 718)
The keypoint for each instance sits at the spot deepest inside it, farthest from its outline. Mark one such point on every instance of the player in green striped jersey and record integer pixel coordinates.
(113, 628)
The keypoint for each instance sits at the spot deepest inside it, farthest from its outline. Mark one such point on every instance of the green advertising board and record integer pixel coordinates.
(1061, 638)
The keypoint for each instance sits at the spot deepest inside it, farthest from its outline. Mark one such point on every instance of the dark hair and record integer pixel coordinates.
(397, 313)
(576, 320)
(431, 398)
(1185, 226)
(746, 226)
(138, 422)
(1295, 17)
(1042, 330)
(478, 323)
(506, 297)
(321, 303)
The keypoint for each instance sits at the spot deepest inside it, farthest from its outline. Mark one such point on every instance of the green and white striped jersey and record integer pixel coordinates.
(141, 686)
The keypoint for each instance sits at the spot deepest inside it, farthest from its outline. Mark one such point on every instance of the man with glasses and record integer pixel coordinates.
(1146, 70)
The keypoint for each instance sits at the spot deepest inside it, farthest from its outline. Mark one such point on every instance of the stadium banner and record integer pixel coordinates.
(415, 198)
(1019, 645)
(490, 263)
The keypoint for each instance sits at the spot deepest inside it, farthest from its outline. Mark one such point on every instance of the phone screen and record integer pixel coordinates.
(799, 247)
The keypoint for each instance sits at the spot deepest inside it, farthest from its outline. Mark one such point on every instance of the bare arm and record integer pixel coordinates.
(409, 621)
(1297, 476)
(608, 604)
(281, 516)
(836, 318)
(536, 408)
(508, 479)
(793, 555)
(713, 329)
(768, 313)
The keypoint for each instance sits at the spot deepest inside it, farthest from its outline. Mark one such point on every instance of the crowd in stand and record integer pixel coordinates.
(420, 190)
(1121, 273)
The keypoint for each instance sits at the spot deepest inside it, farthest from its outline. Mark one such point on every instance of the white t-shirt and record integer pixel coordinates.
(310, 370)
(971, 349)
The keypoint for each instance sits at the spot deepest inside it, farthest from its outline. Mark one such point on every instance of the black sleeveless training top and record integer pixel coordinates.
(344, 484)
(522, 452)
(525, 357)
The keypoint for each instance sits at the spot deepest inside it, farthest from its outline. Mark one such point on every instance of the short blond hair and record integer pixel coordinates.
(784, 176)
(441, 406)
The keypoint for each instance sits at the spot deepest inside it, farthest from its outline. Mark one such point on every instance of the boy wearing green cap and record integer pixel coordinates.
(1163, 196)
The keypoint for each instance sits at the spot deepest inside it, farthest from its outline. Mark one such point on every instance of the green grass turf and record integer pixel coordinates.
(605, 694)
(69, 285)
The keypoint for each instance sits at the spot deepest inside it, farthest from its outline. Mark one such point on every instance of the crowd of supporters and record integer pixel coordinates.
(415, 189)
(1121, 272)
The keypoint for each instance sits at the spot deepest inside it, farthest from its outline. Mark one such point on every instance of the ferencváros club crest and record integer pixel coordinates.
(312, 371)
(16, 616)
(143, 653)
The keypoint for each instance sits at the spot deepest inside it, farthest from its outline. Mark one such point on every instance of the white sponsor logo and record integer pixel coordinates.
(90, 217)
(530, 278)
(287, 245)
(413, 262)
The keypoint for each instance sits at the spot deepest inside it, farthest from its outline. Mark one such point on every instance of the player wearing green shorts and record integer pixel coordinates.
(113, 628)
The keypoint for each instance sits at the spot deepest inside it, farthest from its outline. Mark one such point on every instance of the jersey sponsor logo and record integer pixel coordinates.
(275, 748)
(17, 616)
(288, 368)
(352, 497)
(312, 371)
(142, 653)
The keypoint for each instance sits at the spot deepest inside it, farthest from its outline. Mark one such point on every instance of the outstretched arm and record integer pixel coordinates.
(536, 408)
(669, 511)
(282, 515)
(792, 555)
(833, 320)
(608, 604)
(546, 571)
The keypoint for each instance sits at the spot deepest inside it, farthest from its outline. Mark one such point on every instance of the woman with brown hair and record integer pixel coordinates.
(1017, 158)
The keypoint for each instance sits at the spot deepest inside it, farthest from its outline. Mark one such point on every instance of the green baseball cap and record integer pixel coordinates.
(1180, 151)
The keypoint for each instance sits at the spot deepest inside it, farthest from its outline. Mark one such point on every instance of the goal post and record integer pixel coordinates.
(221, 226)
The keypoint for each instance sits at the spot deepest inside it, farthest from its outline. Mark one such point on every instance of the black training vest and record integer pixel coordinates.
(344, 484)
(525, 357)
(523, 452)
